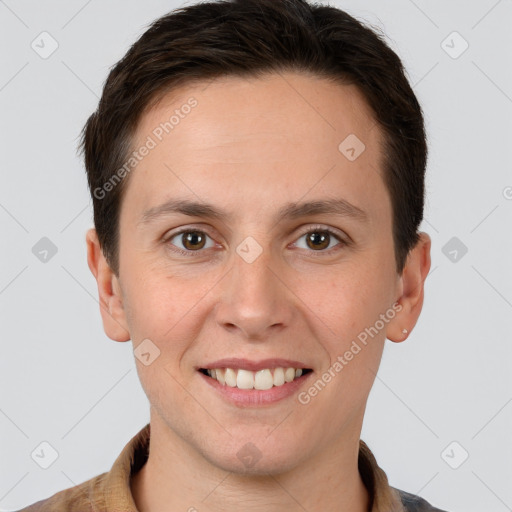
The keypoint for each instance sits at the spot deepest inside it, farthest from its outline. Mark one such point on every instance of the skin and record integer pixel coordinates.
(250, 158)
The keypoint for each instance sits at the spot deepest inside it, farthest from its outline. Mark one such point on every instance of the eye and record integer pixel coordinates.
(189, 241)
(192, 240)
(320, 239)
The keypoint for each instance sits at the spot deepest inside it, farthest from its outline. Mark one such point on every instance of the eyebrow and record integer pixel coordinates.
(339, 207)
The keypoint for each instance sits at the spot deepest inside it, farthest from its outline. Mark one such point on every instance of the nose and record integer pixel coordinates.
(255, 301)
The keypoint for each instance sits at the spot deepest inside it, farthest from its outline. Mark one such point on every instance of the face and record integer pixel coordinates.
(257, 277)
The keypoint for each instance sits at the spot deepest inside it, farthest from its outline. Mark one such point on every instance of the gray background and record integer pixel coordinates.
(64, 382)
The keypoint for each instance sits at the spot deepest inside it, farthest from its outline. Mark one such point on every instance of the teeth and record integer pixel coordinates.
(262, 379)
(245, 379)
(219, 375)
(289, 374)
(278, 377)
(230, 377)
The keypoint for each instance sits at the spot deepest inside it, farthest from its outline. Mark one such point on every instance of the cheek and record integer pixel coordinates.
(348, 296)
(168, 310)
(356, 348)
(154, 298)
(352, 308)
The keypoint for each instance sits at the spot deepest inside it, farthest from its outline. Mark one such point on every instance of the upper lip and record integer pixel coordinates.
(247, 364)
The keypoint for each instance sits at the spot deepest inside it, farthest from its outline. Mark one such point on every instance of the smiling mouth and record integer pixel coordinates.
(261, 380)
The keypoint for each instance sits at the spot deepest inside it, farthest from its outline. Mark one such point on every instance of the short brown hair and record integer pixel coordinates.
(250, 38)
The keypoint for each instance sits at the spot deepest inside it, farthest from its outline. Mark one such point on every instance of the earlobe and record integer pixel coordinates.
(109, 291)
(412, 285)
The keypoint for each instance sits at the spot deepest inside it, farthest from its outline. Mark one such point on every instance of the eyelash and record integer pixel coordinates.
(311, 229)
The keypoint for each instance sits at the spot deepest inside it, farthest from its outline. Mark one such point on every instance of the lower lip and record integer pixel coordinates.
(256, 397)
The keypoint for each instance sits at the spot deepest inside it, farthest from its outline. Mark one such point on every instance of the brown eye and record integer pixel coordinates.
(189, 241)
(318, 239)
(193, 240)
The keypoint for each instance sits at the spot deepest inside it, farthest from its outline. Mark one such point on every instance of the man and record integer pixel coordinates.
(257, 174)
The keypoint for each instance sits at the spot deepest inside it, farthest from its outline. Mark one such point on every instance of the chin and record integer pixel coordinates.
(245, 458)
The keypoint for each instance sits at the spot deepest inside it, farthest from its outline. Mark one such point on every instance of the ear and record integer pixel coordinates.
(109, 291)
(411, 283)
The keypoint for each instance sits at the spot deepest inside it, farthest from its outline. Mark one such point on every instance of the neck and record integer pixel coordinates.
(176, 477)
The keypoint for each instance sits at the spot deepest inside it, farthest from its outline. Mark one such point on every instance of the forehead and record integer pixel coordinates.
(259, 139)
(270, 103)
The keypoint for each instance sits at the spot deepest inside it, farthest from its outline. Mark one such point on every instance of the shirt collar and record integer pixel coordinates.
(113, 490)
